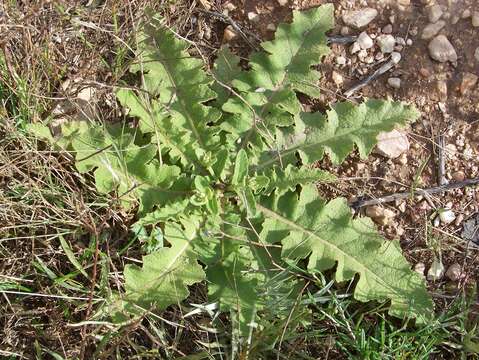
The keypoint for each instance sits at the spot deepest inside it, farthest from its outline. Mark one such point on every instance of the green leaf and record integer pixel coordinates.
(288, 59)
(225, 70)
(166, 273)
(69, 253)
(336, 133)
(241, 169)
(326, 234)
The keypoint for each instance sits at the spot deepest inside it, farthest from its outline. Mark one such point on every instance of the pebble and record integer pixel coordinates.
(354, 48)
(431, 30)
(434, 13)
(392, 144)
(458, 176)
(466, 13)
(253, 17)
(468, 82)
(337, 78)
(440, 49)
(271, 27)
(454, 272)
(408, 42)
(283, 2)
(420, 268)
(341, 60)
(364, 41)
(442, 89)
(359, 18)
(386, 43)
(380, 215)
(436, 271)
(388, 29)
(229, 34)
(345, 30)
(446, 216)
(395, 57)
(475, 18)
(394, 82)
(476, 54)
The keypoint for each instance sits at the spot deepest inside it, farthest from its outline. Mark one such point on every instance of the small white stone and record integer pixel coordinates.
(337, 78)
(431, 30)
(362, 54)
(446, 216)
(271, 27)
(341, 60)
(394, 82)
(282, 2)
(380, 215)
(436, 271)
(476, 54)
(440, 49)
(454, 272)
(400, 41)
(364, 41)
(408, 42)
(395, 57)
(354, 48)
(359, 18)
(386, 43)
(345, 31)
(434, 13)
(475, 18)
(420, 268)
(388, 29)
(392, 144)
(466, 13)
(253, 17)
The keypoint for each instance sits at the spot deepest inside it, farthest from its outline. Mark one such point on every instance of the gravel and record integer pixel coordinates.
(359, 18)
(386, 43)
(440, 49)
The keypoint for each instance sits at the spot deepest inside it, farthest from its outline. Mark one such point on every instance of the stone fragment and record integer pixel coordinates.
(420, 268)
(282, 2)
(354, 48)
(392, 144)
(229, 34)
(253, 17)
(446, 216)
(380, 215)
(440, 49)
(468, 82)
(466, 13)
(394, 82)
(431, 30)
(364, 41)
(436, 271)
(388, 29)
(454, 272)
(337, 78)
(341, 60)
(476, 54)
(386, 43)
(475, 18)
(271, 27)
(434, 13)
(359, 18)
(345, 30)
(441, 86)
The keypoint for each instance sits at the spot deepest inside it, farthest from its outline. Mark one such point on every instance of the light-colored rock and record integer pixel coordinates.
(395, 57)
(388, 29)
(359, 18)
(431, 30)
(441, 86)
(345, 30)
(434, 13)
(475, 18)
(394, 82)
(404, 2)
(440, 49)
(466, 13)
(354, 48)
(446, 216)
(476, 54)
(341, 60)
(380, 215)
(469, 80)
(436, 271)
(229, 34)
(386, 43)
(362, 54)
(271, 27)
(420, 268)
(253, 17)
(408, 42)
(337, 78)
(282, 2)
(392, 144)
(364, 41)
(454, 272)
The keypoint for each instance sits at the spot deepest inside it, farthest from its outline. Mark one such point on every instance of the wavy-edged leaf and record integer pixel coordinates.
(327, 234)
(166, 273)
(225, 70)
(337, 132)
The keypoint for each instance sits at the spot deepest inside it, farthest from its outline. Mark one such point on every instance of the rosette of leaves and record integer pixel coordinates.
(221, 163)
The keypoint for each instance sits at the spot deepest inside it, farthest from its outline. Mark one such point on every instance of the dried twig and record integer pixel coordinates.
(395, 58)
(404, 195)
(441, 164)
